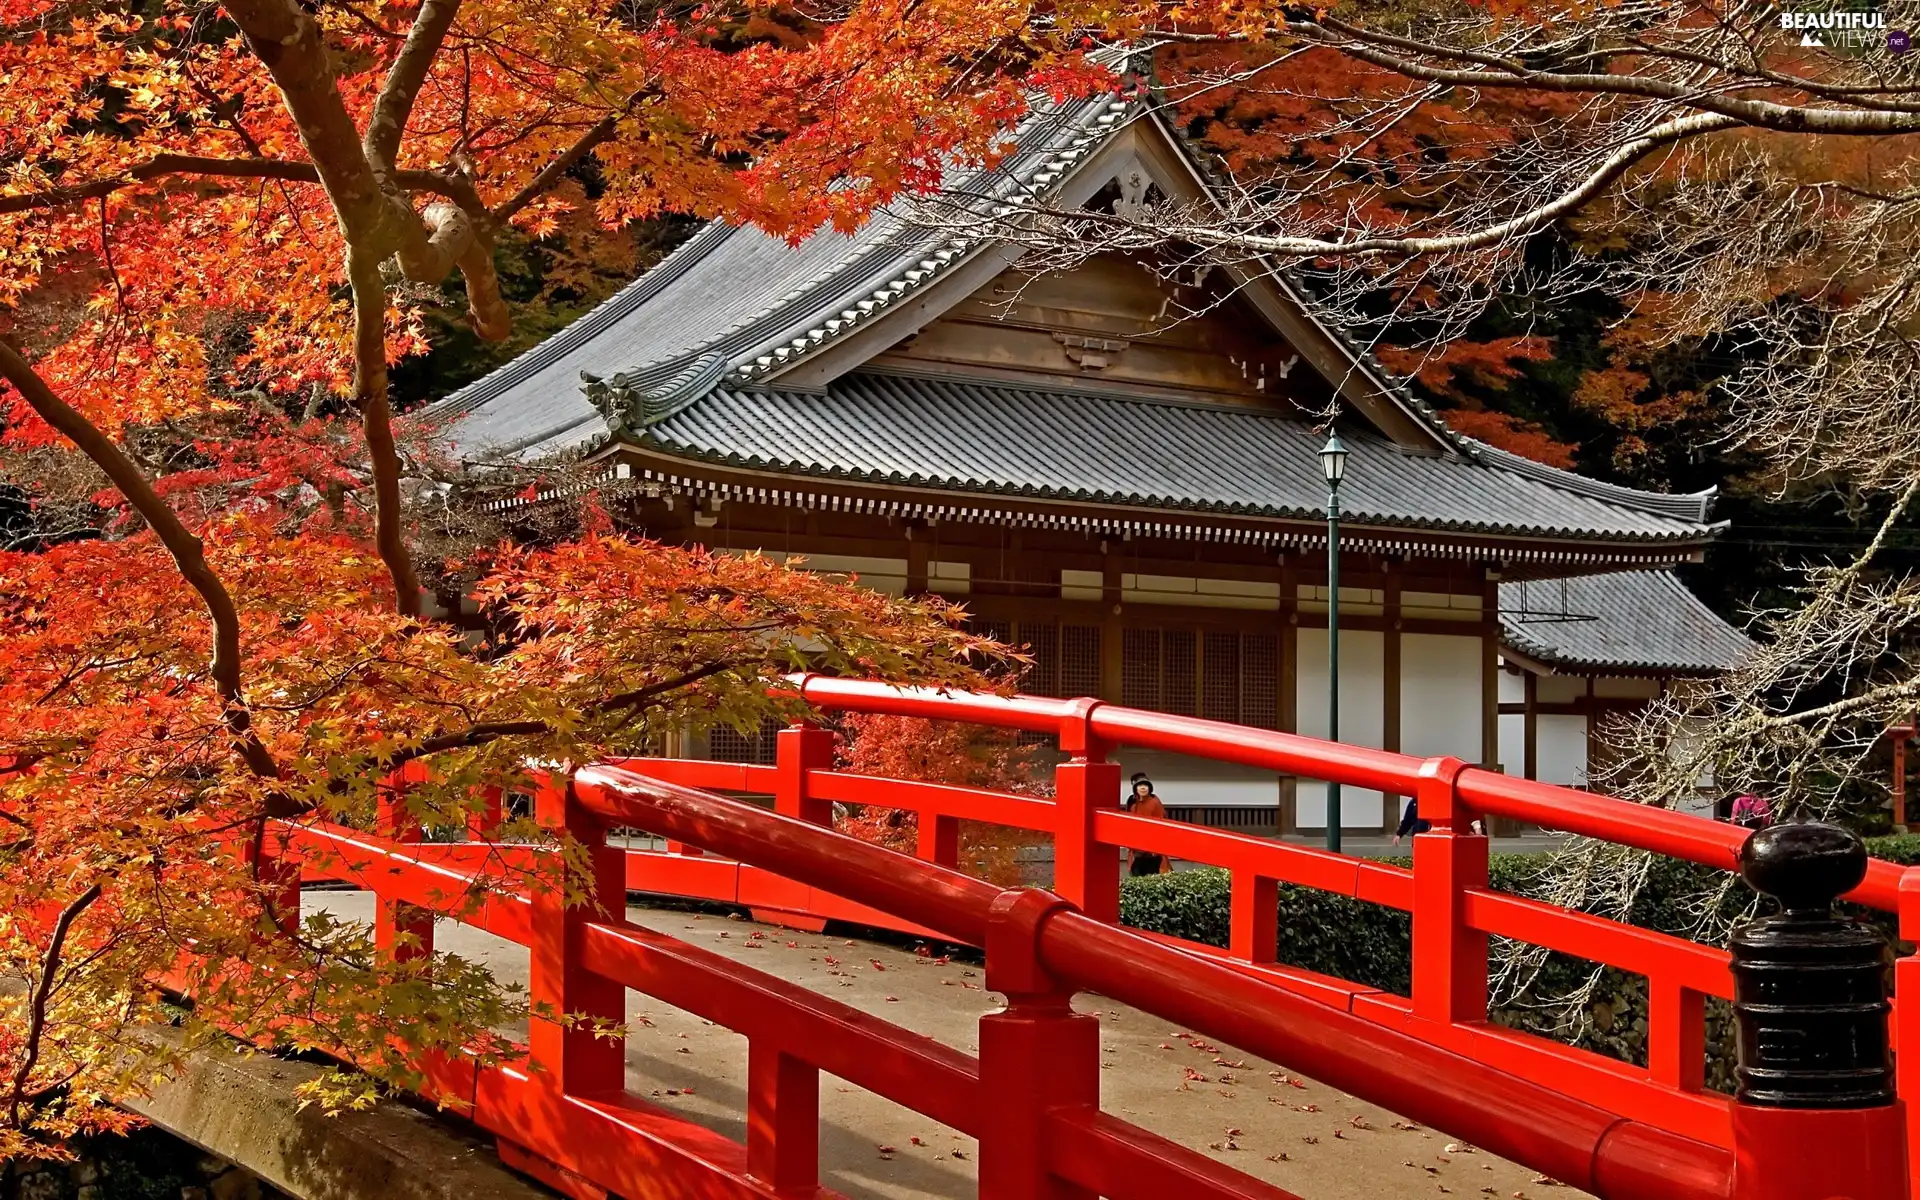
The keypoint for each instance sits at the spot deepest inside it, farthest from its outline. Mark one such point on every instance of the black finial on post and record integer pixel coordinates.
(1810, 989)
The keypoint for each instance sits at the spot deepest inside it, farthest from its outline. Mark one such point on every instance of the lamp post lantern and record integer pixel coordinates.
(1333, 463)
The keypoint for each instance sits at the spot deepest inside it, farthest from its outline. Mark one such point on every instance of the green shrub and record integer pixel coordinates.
(1319, 931)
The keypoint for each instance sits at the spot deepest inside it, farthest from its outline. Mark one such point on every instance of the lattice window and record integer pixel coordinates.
(1220, 676)
(999, 631)
(1140, 668)
(1180, 666)
(1260, 680)
(1043, 642)
(1079, 660)
(727, 744)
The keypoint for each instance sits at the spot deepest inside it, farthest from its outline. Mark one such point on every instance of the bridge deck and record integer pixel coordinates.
(1335, 1147)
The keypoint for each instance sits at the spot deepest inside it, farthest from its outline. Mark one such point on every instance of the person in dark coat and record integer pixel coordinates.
(1412, 822)
(1143, 803)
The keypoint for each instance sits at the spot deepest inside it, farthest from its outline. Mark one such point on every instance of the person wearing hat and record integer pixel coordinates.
(1143, 803)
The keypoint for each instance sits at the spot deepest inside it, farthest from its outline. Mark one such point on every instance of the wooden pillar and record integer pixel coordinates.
(1112, 629)
(1591, 715)
(1532, 736)
(1490, 669)
(918, 547)
(1390, 803)
(1490, 685)
(1289, 683)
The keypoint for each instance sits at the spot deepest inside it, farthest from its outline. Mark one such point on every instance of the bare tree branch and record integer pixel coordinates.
(163, 165)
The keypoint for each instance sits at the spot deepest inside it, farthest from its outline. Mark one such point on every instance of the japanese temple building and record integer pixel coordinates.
(1137, 499)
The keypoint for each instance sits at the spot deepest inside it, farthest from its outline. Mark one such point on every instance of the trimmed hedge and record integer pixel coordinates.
(1371, 944)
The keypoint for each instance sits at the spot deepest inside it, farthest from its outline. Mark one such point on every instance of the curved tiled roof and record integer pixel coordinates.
(745, 297)
(672, 360)
(1056, 444)
(1633, 622)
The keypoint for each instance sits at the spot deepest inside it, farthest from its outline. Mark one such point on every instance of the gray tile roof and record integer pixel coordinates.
(741, 300)
(1635, 622)
(732, 307)
(1071, 445)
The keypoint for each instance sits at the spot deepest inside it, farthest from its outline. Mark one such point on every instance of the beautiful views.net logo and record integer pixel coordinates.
(1851, 30)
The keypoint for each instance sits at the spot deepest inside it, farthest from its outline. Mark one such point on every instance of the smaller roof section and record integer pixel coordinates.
(1629, 623)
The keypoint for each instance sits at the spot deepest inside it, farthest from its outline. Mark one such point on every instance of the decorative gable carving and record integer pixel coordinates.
(1091, 353)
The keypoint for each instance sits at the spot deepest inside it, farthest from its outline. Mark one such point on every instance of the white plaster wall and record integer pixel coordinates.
(1440, 709)
(1362, 703)
(1513, 743)
(885, 575)
(1180, 780)
(1560, 689)
(1513, 687)
(1620, 687)
(1561, 741)
(951, 578)
(1190, 591)
(1080, 585)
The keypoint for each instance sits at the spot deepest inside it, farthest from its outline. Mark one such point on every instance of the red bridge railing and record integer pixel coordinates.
(1607, 1127)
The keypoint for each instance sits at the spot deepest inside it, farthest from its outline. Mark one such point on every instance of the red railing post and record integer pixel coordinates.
(1676, 1035)
(1036, 1055)
(403, 930)
(799, 749)
(783, 1120)
(1085, 872)
(939, 839)
(485, 824)
(1816, 1115)
(1906, 1015)
(1449, 956)
(1254, 921)
(567, 996)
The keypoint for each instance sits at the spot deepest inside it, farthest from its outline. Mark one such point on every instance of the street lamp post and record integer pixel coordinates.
(1333, 463)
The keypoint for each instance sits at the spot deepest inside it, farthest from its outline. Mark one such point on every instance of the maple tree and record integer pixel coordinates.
(221, 226)
(946, 752)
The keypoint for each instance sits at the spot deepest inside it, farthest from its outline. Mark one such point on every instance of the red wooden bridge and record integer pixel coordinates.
(1031, 1096)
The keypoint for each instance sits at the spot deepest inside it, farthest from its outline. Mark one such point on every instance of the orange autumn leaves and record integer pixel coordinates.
(157, 187)
(116, 771)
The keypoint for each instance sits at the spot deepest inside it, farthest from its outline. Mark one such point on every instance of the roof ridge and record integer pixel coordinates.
(1696, 507)
(589, 325)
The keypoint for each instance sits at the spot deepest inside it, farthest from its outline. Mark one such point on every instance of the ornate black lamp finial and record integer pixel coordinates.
(1810, 988)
